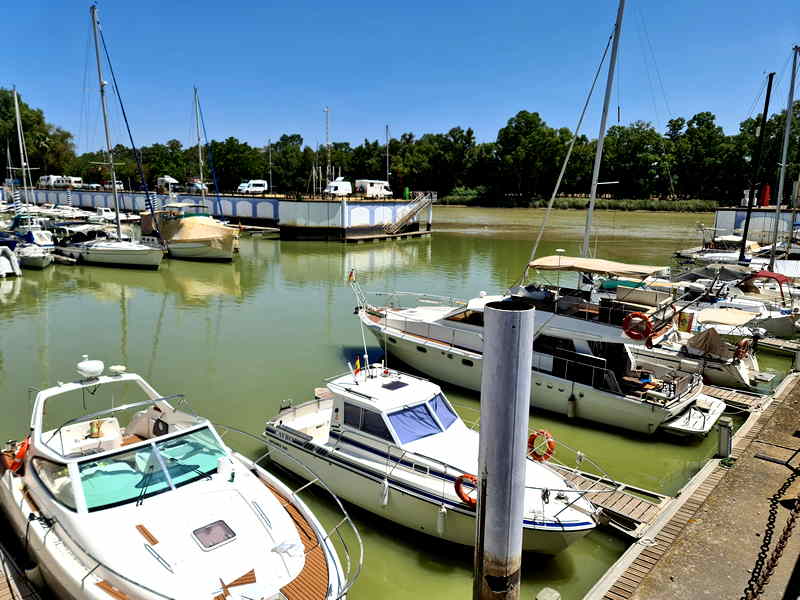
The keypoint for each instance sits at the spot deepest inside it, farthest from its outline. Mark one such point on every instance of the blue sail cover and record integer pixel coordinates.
(442, 410)
(413, 423)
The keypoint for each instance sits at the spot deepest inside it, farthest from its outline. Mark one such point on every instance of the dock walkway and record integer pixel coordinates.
(627, 508)
(779, 346)
(13, 585)
(735, 398)
(706, 542)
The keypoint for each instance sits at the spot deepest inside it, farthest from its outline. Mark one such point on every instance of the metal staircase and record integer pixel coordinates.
(421, 201)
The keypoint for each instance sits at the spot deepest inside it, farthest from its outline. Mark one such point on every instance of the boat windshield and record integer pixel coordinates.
(138, 474)
(416, 422)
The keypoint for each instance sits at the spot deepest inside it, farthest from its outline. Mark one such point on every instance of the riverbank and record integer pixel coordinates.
(622, 204)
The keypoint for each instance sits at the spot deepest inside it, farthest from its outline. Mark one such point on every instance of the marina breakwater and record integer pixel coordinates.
(317, 218)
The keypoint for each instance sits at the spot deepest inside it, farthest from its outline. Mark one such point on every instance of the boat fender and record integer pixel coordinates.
(19, 455)
(550, 446)
(440, 519)
(34, 576)
(571, 405)
(385, 492)
(742, 349)
(459, 485)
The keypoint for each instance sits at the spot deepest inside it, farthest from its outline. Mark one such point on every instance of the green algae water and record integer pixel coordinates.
(238, 339)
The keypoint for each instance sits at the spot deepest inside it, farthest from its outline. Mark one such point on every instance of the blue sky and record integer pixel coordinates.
(266, 68)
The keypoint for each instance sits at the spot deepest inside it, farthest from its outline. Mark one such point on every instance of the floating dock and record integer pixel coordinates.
(706, 540)
(779, 346)
(13, 585)
(740, 399)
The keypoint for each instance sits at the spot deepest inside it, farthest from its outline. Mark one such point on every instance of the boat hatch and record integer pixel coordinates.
(394, 385)
(213, 535)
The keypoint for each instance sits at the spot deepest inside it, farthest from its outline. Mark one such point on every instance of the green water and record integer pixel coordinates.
(238, 339)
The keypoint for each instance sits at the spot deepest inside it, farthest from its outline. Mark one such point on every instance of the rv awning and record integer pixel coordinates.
(725, 316)
(592, 265)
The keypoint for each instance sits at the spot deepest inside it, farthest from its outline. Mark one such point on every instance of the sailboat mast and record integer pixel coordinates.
(199, 146)
(110, 152)
(762, 130)
(787, 131)
(602, 134)
(22, 153)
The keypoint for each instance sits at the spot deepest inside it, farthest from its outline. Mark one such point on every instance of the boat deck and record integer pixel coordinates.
(735, 398)
(627, 508)
(312, 583)
(13, 585)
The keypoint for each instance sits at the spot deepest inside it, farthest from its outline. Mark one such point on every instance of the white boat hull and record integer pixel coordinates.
(122, 254)
(199, 250)
(411, 508)
(548, 392)
(715, 372)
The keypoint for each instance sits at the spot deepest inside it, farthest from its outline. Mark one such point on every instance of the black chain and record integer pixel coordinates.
(755, 585)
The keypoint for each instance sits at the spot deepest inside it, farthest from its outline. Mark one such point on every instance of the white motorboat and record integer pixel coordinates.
(32, 256)
(392, 444)
(9, 264)
(582, 362)
(118, 253)
(143, 500)
(190, 232)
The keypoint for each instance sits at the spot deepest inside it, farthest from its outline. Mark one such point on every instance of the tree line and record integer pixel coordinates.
(692, 159)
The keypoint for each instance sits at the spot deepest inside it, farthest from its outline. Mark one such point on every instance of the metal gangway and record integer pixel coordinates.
(421, 201)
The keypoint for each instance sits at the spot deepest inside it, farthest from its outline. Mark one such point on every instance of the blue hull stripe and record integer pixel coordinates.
(414, 491)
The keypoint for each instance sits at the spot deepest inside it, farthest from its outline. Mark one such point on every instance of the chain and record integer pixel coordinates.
(763, 568)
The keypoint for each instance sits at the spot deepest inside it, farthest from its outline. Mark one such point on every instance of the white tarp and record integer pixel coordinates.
(725, 316)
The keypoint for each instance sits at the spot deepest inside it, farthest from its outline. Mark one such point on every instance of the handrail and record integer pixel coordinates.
(350, 577)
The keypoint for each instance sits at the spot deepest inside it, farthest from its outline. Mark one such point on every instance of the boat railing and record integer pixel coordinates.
(353, 560)
(423, 297)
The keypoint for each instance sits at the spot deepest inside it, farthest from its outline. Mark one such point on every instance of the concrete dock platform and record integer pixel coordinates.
(707, 546)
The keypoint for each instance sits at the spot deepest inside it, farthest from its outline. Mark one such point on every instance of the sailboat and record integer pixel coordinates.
(35, 247)
(113, 251)
(188, 229)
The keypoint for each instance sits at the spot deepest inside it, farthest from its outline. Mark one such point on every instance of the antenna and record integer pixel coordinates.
(387, 153)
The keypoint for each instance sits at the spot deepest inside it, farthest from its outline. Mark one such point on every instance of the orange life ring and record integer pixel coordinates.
(19, 456)
(742, 348)
(550, 446)
(637, 332)
(461, 493)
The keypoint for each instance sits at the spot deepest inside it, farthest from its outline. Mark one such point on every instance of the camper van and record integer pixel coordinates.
(373, 188)
(339, 187)
(254, 186)
(66, 181)
(49, 181)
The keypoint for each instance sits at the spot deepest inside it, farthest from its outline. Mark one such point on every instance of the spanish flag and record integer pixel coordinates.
(358, 366)
(352, 275)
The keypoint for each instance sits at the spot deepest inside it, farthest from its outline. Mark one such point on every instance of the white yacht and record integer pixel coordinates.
(32, 256)
(143, 500)
(115, 252)
(582, 362)
(392, 444)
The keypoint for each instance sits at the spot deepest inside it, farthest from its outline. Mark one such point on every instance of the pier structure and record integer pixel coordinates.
(298, 217)
(13, 584)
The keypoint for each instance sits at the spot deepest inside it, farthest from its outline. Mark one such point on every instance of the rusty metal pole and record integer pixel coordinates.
(505, 406)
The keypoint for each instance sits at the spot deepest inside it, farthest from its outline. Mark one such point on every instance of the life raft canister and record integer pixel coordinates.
(550, 446)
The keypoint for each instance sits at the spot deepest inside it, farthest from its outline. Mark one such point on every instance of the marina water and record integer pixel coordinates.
(239, 339)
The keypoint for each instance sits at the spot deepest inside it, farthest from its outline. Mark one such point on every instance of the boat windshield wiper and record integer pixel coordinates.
(193, 468)
(146, 483)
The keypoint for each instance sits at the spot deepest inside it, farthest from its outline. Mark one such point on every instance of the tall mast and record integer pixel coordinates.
(327, 145)
(601, 136)
(93, 12)
(787, 130)
(762, 129)
(21, 140)
(269, 152)
(199, 146)
(387, 153)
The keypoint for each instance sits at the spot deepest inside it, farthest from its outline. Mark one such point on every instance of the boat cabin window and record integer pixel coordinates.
(413, 423)
(55, 477)
(442, 409)
(546, 344)
(366, 420)
(471, 317)
(137, 474)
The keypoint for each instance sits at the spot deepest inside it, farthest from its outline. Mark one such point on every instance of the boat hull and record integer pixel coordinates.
(408, 506)
(200, 250)
(548, 392)
(714, 372)
(142, 257)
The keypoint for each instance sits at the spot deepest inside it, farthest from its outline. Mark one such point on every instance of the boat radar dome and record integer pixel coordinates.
(90, 368)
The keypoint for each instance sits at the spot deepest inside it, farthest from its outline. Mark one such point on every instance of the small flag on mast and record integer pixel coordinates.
(358, 366)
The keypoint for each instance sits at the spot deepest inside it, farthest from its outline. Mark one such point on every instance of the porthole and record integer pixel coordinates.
(466, 362)
(391, 339)
(422, 349)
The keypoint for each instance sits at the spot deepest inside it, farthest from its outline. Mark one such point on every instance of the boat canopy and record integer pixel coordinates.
(725, 316)
(781, 279)
(718, 271)
(592, 265)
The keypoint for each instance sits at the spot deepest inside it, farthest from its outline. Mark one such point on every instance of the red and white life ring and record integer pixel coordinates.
(461, 492)
(637, 326)
(550, 446)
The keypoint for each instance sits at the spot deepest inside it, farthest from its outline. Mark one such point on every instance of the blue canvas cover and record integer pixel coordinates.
(413, 423)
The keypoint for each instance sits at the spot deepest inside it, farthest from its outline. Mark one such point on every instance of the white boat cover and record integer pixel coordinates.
(725, 316)
(593, 265)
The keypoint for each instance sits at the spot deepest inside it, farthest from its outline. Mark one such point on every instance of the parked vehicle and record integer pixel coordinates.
(254, 186)
(373, 188)
(67, 181)
(95, 187)
(107, 185)
(339, 187)
(195, 187)
(48, 181)
(166, 183)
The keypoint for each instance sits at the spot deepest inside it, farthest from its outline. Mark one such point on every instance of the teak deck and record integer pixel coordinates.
(312, 583)
(735, 398)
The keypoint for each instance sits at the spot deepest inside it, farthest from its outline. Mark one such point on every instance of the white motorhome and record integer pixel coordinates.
(49, 181)
(66, 181)
(339, 187)
(373, 188)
